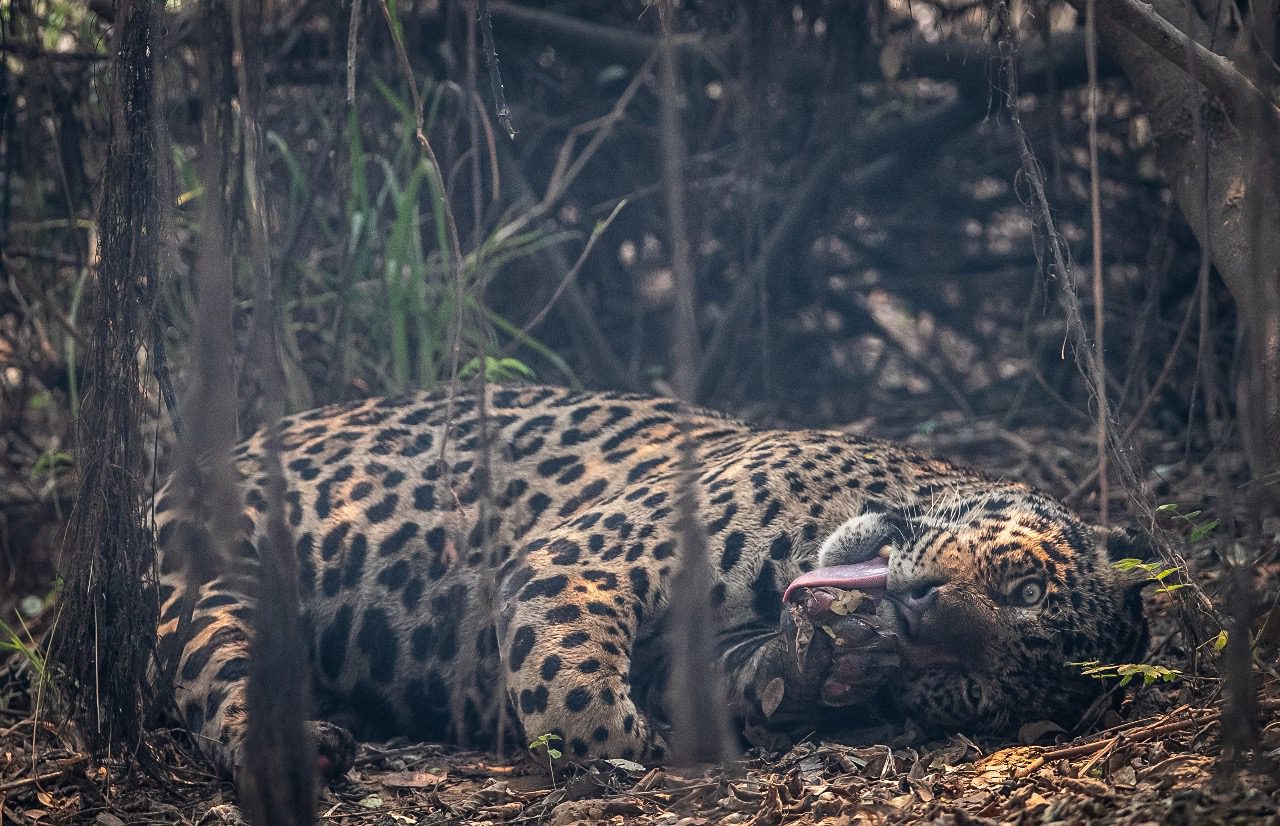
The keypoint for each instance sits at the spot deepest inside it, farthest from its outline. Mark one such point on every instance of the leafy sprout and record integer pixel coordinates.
(1200, 531)
(1127, 672)
(543, 741)
(1157, 572)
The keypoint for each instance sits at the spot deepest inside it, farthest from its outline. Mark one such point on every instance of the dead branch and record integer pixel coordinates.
(277, 783)
(36, 779)
(695, 692)
(1099, 305)
(907, 137)
(585, 329)
(1216, 72)
(495, 76)
(593, 38)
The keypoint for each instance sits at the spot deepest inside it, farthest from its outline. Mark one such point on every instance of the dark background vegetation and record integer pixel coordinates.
(867, 246)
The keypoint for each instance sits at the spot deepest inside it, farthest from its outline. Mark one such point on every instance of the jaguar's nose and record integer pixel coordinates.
(912, 602)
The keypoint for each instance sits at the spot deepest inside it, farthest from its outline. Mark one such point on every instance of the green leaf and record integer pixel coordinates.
(543, 741)
(51, 463)
(1201, 531)
(1126, 672)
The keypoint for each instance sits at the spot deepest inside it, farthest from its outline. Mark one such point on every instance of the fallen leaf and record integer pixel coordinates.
(902, 801)
(627, 765)
(1125, 776)
(1033, 732)
(411, 780)
(804, 632)
(771, 698)
(846, 602)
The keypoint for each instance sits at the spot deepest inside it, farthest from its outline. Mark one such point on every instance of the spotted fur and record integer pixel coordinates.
(447, 586)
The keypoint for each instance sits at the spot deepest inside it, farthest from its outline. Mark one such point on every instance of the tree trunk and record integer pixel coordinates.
(107, 629)
(1217, 130)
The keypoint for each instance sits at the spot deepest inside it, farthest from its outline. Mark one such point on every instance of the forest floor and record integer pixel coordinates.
(1156, 761)
(1161, 769)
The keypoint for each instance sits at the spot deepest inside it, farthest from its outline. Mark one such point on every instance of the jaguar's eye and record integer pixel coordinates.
(1027, 593)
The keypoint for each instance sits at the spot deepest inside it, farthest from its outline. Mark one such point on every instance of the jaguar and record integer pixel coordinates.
(502, 560)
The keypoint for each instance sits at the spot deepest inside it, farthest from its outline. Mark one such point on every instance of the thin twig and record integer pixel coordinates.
(1121, 456)
(1203, 716)
(31, 51)
(495, 76)
(353, 42)
(277, 782)
(1099, 308)
(585, 329)
(910, 137)
(1165, 370)
(564, 282)
(699, 720)
(65, 321)
(41, 778)
(495, 179)
(685, 340)
(567, 167)
(160, 368)
(453, 254)
(472, 155)
(620, 45)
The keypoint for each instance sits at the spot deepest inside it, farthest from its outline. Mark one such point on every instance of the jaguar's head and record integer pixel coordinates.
(992, 598)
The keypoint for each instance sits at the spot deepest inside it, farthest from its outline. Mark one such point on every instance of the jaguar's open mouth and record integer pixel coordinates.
(836, 608)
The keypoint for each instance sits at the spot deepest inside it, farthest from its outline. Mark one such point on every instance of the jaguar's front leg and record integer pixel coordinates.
(567, 621)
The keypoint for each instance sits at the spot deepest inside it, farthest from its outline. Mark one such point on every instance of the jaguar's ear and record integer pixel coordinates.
(1128, 543)
(869, 534)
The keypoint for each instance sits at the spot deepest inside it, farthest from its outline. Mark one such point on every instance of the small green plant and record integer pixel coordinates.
(40, 401)
(12, 643)
(1200, 531)
(1126, 672)
(1157, 572)
(543, 741)
(51, 463)
(497, 370)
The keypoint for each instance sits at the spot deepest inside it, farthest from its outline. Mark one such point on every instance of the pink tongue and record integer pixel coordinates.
(872, 575)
